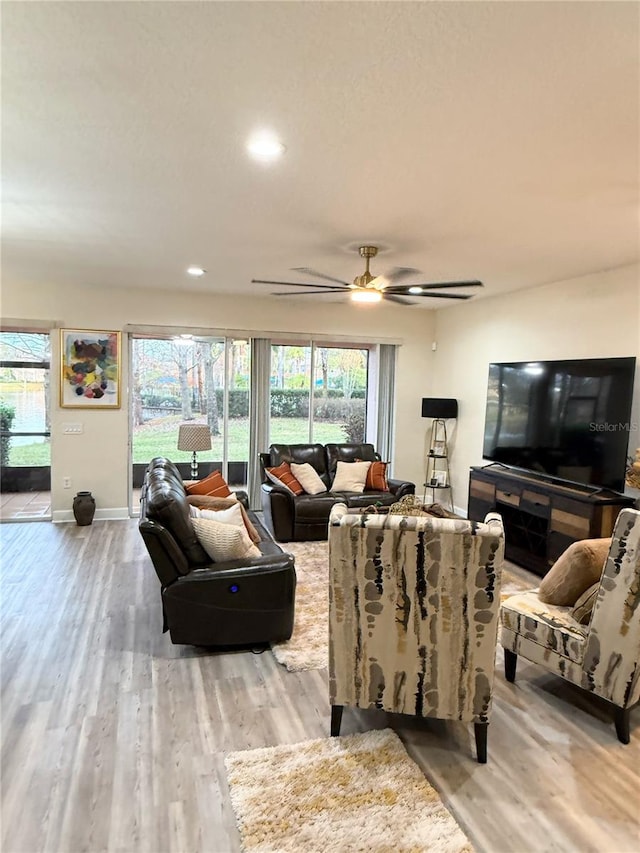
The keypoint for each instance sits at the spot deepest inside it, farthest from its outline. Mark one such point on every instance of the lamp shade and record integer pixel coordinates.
(194, 437)
(439, 407)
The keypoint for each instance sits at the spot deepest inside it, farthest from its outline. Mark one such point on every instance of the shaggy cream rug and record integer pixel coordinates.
(308, 647)
(361, 792)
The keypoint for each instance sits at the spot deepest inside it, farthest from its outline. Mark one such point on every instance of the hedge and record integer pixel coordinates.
(285, 403)
(7, 415)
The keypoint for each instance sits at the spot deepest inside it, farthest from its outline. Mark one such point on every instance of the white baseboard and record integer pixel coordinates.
(116, 513)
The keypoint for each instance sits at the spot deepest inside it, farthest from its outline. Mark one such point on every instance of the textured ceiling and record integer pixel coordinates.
(488, 140)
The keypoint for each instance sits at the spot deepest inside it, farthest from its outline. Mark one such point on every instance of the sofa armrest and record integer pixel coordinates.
(235, 570)
(279, 511)
(400, 488)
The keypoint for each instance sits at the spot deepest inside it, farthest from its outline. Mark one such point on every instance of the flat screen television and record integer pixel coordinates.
(564, 419)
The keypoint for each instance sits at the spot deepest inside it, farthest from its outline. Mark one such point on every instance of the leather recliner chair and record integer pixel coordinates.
(233, 603)
(303, 518)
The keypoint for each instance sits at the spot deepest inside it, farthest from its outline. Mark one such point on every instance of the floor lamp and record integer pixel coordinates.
(194, 437)
(440, 409)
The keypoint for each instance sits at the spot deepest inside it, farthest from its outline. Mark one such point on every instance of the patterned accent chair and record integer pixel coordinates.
(603, 656)
(413, 615)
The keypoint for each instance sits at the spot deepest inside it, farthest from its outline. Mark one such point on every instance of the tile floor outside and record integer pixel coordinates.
(33, 506)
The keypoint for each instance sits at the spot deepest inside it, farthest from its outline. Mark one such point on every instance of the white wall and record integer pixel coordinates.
(593, 316)
(97, 460)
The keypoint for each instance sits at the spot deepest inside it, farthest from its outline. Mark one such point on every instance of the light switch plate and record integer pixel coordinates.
(72, 429)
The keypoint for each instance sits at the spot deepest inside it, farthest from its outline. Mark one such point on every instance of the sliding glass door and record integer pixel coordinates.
(25, 432)
(314, 392)
(188, 380)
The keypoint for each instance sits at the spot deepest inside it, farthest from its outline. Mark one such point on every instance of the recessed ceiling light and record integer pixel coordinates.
(197, 271)
(415, 290)
(265, 147)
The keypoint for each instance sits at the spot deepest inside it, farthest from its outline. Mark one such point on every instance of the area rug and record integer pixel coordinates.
(361, 792)
(308, 647)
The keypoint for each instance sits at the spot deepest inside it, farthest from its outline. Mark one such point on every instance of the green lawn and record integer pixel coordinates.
(159, 438)
(30, 455)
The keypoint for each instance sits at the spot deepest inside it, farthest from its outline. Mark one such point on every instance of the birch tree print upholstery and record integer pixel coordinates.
(413, 615)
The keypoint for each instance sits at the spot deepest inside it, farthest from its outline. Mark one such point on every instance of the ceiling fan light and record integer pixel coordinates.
(415, 290)
(366, 295)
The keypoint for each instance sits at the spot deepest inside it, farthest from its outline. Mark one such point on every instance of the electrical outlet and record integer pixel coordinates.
(66, 482)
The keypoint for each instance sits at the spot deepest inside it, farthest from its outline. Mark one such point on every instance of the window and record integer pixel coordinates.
(24, 399)
(318, 393)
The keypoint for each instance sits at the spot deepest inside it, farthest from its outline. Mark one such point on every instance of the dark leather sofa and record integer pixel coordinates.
(205, 603)
(305, 517)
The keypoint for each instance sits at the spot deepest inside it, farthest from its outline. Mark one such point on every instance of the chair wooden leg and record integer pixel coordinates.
(336, 719)
(481, 741)
(510, 663)
(622, 718)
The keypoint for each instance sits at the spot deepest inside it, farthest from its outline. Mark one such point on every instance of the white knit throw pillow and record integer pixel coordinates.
(224, 541)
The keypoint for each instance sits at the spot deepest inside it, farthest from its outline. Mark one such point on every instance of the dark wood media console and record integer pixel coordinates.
(541, 518)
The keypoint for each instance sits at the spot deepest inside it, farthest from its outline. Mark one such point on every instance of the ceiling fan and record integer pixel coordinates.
(370, 288)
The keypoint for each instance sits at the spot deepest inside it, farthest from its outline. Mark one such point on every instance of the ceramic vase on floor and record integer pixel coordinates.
(84, 507)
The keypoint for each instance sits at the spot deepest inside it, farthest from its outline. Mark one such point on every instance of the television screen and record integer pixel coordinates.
(565, 419)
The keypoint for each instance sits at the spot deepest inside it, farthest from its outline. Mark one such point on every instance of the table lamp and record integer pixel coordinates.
(194, 437)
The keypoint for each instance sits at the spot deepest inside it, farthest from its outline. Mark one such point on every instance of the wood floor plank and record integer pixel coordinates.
(113, 739)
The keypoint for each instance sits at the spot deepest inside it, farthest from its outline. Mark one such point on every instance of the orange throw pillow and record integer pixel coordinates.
(282, 476)
(214, 485)
(377, 478)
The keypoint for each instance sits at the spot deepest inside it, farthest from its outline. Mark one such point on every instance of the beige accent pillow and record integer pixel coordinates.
(583, 607)
(350, 476)
(308, 478)
(574, 571)
(224, 541)
(208, 502)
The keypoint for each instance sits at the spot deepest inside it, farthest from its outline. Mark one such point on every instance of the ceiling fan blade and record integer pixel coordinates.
(392, 276)
(442, 295)
(317, 274)
(434, 285)
(390, 297)
(289, 283)
(311, 292)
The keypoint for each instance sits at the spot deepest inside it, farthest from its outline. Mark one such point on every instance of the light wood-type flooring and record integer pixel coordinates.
(114, 740)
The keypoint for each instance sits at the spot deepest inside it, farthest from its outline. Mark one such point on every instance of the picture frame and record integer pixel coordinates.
(90, 369)
(438, 448)
(439, 478)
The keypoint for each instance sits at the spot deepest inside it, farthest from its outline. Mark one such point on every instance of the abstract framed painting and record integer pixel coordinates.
(90, 368)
